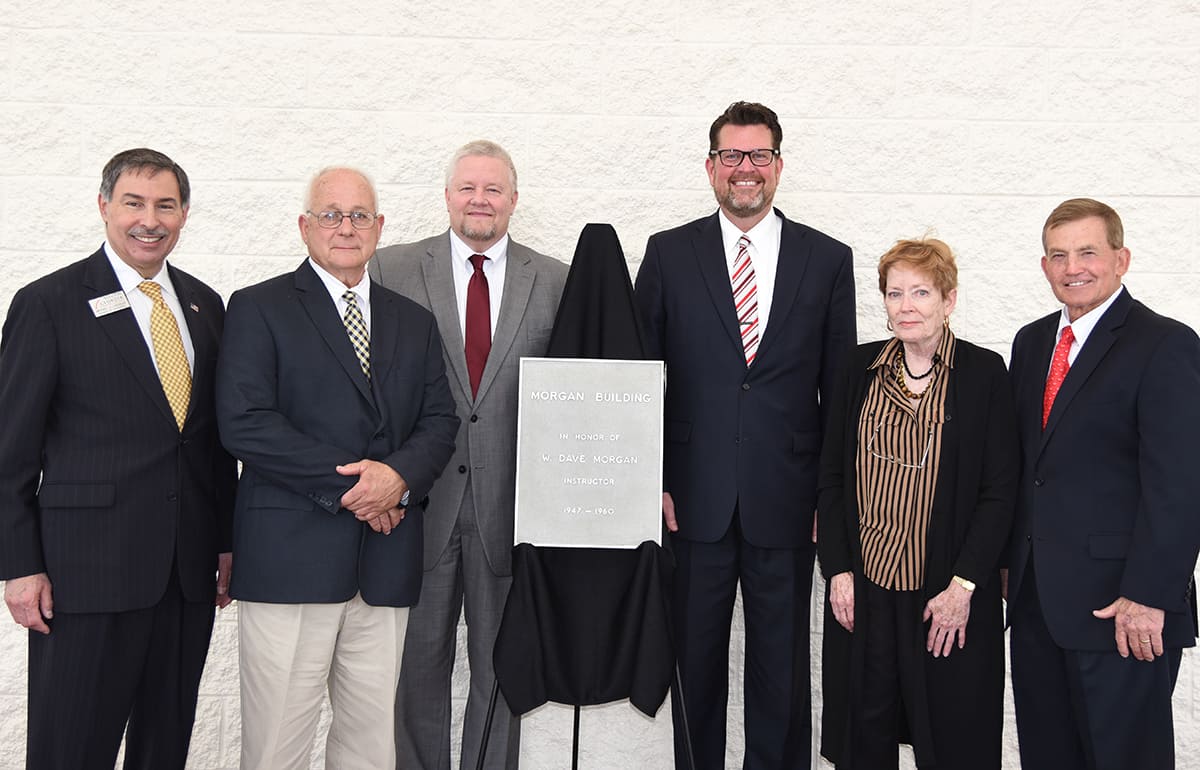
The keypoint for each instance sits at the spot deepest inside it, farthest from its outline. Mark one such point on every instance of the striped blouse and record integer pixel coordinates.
(899, 451)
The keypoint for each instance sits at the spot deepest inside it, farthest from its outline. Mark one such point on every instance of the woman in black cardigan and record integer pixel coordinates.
(918, 484)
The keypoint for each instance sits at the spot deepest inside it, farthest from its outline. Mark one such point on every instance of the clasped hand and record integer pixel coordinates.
(375, 498)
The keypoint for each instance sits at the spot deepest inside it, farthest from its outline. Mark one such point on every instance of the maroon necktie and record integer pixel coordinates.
(1058, 371)
(478, 342)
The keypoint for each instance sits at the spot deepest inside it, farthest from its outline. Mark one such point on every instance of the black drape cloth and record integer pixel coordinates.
(585, 626)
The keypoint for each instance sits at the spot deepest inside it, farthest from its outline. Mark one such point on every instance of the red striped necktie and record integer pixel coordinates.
(745, 298)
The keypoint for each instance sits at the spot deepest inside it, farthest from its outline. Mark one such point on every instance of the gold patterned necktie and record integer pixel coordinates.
(356, 327)
(169, 354)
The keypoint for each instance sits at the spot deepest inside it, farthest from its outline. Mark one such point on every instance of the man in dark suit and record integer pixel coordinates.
(115, 493)
(753, 314)
(469, 526)
(332, 393)
(1106, 534)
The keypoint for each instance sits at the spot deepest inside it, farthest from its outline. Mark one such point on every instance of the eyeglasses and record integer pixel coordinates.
(883, 420)
(359, 220)
(733, 158)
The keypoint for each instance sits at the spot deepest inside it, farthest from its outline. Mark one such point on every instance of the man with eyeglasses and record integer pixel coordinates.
(332, 393)
(115, 494)
(495, 301)
(752, 314)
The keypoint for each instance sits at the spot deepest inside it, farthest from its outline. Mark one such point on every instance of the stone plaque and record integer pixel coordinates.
(589, 452)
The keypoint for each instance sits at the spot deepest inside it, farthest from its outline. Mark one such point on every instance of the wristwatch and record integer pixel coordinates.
(967, 584)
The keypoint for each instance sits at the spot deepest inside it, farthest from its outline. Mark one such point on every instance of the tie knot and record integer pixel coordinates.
(1068, 336)
(350, 297)
(743, 242)
(477, 261)
(151, 290)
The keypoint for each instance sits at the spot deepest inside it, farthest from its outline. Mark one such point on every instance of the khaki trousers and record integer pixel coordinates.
(290, 654)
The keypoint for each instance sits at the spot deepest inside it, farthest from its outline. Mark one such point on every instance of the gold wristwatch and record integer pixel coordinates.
(967, 584)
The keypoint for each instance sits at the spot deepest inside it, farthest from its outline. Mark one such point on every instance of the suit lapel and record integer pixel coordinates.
(385, 324)
(122, 329)
(518, 285)
(439, 285)
(1090, 355)
(323, 313)
(710, 264)
(794, 253)
(199, 328)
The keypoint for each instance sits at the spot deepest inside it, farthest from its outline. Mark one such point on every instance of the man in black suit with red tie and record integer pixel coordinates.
(115, 494)
(1104, 544)
(753, 314)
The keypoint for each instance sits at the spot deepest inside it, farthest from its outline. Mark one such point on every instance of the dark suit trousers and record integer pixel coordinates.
(1087, 710)
(776, 583)
(97, 671)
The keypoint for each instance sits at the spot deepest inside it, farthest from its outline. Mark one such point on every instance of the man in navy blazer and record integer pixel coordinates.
(1104, 545)
(332, 392)
(114, 501)
(742, 439)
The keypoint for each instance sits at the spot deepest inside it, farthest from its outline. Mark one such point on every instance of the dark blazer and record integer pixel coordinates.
(1109, 492)
(293, 403)
(123, 493)
(738, 435)
(968, 529)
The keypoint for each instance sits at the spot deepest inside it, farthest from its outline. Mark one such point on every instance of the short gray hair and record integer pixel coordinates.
(484, 148)
(143, 159)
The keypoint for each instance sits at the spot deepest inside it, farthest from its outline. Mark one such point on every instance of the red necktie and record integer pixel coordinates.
(478, 338)
(1058, 371)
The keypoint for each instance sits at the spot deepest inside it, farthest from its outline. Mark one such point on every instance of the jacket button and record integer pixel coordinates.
(462, 469)
(1038, 482)
(172, 497)
(474, 418)
(745, 386)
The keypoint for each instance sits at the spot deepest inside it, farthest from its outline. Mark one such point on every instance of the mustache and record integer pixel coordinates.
(151, 232)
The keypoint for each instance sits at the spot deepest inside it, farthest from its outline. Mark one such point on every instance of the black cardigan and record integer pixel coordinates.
(974, 499)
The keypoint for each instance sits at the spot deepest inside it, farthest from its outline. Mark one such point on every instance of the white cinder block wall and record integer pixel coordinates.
(971, 118)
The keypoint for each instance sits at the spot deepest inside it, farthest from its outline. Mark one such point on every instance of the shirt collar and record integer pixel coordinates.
(764, 235)
(1082, 326)
(336, 288)
(944, 352)
(462, 253)
(130, 278)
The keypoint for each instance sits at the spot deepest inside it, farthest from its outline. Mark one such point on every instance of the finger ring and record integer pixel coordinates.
(1144, 641)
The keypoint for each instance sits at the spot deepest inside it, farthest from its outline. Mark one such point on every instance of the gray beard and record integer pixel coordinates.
(482, 234)
(755, 206)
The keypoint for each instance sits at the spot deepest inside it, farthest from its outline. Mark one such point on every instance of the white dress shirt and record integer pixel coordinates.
(493, 269)
(141, 304)
(764, 256)
(362, 292)
(1082, 326)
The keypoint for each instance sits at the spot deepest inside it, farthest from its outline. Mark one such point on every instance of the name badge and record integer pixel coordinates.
(109, 303)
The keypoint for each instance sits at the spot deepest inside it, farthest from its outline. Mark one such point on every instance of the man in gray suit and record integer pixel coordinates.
(494, 301)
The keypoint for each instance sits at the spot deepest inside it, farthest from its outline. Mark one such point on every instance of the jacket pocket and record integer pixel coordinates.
(678, 431)
(806, 442)
(57, 495)
(1108, 546)
(271, 496)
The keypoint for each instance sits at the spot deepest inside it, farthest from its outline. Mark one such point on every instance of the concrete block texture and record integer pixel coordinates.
(969, 120)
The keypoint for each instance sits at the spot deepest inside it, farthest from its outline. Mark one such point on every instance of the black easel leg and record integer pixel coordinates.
(487, 724)
(683, 720)
(575, 742)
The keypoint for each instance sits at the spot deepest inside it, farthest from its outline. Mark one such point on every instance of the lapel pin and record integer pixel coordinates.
(195, 308)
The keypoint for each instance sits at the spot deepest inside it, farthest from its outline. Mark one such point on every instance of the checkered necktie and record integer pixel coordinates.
(1058, 372)
(169, 354)
(356, 327)
(745, 298)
